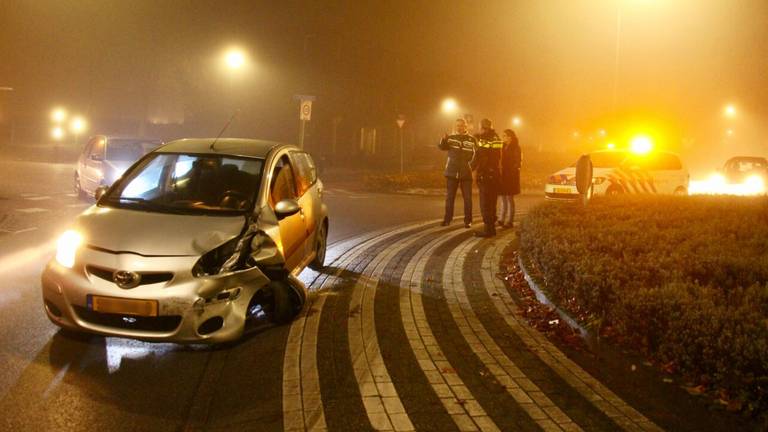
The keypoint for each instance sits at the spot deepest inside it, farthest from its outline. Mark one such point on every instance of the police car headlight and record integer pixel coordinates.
(598, 180)
(66, 248)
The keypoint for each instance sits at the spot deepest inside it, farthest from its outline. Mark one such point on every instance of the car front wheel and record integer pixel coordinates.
(78, 188)
(321, 244)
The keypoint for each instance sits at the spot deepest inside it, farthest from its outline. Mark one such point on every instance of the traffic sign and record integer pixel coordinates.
(305, 112)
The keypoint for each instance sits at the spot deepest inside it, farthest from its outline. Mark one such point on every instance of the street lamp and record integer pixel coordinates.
(729, 111)
(57, 133)
(517, 121)
(235, 59)
(58, 115)
(77, 126)
(449, 106)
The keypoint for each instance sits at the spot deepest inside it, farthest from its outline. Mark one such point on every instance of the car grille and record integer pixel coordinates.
(165, 323)
(147, 278)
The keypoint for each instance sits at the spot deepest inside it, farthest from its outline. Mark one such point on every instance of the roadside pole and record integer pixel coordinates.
(400, 123)
(305, 115)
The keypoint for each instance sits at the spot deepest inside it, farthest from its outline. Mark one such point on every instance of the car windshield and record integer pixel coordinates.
(129, 150)
(606, 159)
(188, 183)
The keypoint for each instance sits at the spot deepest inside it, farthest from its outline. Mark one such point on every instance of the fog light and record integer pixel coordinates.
(210, 325)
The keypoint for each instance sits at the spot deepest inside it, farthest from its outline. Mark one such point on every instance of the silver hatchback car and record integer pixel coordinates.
(195, 239)
(105, 158)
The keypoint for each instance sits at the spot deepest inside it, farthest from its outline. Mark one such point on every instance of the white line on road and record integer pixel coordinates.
(458, 401)
(527, 394)
(592, 390)
(37, 198)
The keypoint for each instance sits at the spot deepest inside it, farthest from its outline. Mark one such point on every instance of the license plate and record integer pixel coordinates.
(563, 190)
(122, 306)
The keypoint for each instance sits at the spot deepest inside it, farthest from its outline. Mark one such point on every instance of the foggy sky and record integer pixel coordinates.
(550, 61)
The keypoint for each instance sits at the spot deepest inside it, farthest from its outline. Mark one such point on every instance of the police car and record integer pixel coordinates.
(617, 172)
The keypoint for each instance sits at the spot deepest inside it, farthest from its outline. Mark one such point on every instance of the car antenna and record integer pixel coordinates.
(224, 128)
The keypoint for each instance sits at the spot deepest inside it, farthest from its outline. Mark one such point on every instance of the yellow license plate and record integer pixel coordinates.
(123, 306)
(563, 190)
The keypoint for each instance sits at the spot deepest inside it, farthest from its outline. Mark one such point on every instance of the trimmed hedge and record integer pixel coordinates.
(682, 279)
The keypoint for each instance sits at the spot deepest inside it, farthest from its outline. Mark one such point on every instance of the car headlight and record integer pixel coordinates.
(66, 248)
(210, 263)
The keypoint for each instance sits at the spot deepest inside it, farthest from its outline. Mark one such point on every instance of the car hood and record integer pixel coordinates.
(158, 234)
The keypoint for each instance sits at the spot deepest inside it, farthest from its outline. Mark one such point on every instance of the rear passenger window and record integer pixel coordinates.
(306, 171)
(668, 162)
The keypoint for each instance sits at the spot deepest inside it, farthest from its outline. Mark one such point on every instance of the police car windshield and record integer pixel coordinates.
(607, 159)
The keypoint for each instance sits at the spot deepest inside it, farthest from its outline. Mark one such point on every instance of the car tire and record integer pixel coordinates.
(78, 188)
(321, 245)
(614, 190)
(283, 302)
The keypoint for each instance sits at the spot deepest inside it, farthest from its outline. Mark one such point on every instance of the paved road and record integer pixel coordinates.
(407, 328)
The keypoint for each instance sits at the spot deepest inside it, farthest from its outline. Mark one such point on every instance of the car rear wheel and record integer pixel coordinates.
(321, 244)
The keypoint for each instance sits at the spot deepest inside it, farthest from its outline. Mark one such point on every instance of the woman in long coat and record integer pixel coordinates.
(511, 160)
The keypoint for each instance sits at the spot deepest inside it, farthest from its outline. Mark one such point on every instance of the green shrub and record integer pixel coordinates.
(683, 279)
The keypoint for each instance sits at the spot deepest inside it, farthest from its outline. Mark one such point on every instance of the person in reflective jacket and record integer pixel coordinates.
(486, 164)
(461, 149)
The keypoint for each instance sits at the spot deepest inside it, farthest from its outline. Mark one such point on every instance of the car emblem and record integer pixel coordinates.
(126, 279)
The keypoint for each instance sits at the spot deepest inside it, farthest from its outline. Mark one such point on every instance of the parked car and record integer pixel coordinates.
(740, 169)
(618, 172)
(194, 240)
(105, 158)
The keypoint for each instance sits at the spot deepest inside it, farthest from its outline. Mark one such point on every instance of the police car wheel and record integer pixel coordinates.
(79, 189)
(614, 190)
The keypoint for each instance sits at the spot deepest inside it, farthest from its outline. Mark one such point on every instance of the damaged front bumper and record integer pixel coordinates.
(173, 304)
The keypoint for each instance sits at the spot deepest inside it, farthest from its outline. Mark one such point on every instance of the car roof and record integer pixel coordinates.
(227, 146)
(748, 159)
(128, 137)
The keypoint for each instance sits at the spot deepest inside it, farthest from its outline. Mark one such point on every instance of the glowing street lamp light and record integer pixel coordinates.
(517, 121)
(602, 133)
(729, 132)
(449, 106)
(57, 133)
(729, 111)
(611, 146)
(58, 115)
(77, 125)
(234, 59)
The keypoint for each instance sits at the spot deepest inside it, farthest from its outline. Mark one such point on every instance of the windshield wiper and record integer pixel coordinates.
(152, 205)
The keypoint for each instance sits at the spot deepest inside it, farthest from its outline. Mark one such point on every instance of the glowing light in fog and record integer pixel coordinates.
(449, 106)
(611, 146)
(234, 58)
(729, 111)
(641, 145)
(717, 184)
(77, 125)
(517, 121)
(58, 115)
(57, 133)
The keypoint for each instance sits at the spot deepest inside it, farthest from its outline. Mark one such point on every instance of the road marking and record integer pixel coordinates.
(527, 394)
(458, 401)
(302, 401)
(18, 231)
(32, 210)
(589, 387)
(78, 205)
(71, 195)
(380, 398)
(37, 198)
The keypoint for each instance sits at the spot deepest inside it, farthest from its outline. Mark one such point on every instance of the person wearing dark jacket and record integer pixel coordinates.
(461, 149)
(486, 163)
(509, 186)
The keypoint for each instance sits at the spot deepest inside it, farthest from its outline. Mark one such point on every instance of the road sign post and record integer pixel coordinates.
(400, 123)
(305, 115)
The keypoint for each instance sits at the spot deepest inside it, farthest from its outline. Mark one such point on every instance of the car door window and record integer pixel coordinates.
(306, 171)
(97, 149)
(283, 184)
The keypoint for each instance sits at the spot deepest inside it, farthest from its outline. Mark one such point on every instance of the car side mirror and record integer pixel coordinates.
(96, 157)
(285, 208)
(99, 192)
